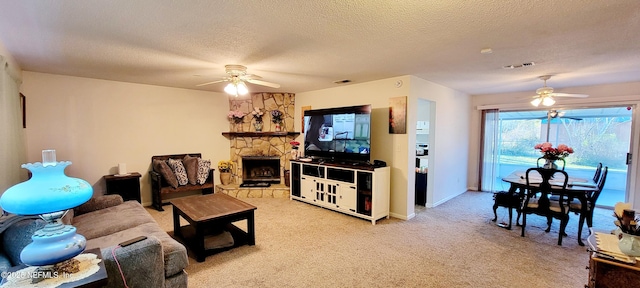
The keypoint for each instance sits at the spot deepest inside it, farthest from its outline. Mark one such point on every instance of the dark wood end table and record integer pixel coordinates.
(127, 186)
(97, 279)
(211, 213)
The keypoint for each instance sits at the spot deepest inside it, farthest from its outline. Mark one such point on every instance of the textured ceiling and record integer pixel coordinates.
(307, 45)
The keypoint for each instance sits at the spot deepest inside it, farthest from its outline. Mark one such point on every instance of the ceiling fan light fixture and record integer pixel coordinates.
(548, 101)
(242, 88)
(536, 102)
(231, 89)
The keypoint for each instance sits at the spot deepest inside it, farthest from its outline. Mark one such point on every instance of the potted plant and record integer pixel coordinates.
(257, 115)
(294, 150)
(225, 167)
(276, 118)
(551, 155)
(236, 116)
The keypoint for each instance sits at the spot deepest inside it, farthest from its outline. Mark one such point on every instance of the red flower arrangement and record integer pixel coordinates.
(550, 153)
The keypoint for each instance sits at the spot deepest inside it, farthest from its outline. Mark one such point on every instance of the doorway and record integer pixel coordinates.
(597, 135)
(422, 151)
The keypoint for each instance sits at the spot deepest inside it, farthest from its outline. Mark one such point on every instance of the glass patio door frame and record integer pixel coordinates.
(633, 172)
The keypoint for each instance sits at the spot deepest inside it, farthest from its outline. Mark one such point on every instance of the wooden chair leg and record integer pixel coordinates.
(549, 221)
(563, 225)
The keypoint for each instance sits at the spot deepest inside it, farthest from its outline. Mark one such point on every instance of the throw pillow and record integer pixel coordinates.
(191, 165)
(178, 169)
(203, 170)
(161, 167)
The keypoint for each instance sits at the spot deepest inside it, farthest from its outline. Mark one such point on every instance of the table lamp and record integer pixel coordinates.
(49, 193)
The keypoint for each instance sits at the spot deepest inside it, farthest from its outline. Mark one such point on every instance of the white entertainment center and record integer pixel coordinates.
(358, 190)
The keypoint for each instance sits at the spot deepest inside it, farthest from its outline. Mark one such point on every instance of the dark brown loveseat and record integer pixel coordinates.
(160, 187)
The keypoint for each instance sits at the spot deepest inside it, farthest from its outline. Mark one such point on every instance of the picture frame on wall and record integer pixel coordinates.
(398, 115)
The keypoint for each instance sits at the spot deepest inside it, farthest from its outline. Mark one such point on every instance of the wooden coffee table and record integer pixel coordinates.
(209, 214)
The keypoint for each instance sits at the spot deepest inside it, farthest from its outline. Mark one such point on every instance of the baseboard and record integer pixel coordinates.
(446, 199)
(402, 217)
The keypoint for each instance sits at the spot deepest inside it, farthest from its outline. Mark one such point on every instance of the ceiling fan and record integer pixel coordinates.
(545, 94)
(237, 76)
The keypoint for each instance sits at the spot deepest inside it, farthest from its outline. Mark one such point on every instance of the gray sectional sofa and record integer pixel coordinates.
(158, 261)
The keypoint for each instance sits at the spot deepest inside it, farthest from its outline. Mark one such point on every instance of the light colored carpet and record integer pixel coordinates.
(452, 245)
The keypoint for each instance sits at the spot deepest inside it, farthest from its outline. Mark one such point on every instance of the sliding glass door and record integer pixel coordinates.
(597, 135)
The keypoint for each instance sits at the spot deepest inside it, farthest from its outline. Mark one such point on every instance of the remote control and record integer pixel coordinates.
(131, 241)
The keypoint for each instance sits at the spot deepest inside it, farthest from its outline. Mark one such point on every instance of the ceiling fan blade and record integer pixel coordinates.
(569, 95)
(263, 83)
(212, 82)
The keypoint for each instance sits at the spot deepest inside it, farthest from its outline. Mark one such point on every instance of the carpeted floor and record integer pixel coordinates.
(452, 245)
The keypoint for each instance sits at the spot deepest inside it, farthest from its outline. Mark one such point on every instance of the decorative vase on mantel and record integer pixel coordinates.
(258, 125)
(278, 127)
(238, 127)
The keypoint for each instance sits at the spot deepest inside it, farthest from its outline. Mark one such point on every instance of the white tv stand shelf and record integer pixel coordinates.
(357, 190)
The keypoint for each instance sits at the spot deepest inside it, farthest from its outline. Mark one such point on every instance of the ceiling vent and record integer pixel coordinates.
(528, 64)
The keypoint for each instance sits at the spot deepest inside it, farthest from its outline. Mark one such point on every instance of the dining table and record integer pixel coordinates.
(577, 188)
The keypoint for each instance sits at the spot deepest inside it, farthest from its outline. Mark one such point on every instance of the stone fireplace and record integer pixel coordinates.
(260, 156)
(260, 169)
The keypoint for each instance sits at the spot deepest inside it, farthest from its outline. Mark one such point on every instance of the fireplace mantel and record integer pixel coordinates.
(260, 134)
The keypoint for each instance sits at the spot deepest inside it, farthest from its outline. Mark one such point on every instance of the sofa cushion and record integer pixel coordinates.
(191, 165)
(203, 170)
(178, 169)
(113, 219)
(175, 254)
(161, 167)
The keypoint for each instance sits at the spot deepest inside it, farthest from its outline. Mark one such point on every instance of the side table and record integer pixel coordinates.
(127, 186)
(97, 279)
(604, 273)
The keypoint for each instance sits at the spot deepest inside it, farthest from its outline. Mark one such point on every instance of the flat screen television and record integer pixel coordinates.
(338, 134)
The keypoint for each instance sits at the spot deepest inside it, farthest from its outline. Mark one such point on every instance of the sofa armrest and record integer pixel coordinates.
(156, 178)
(142, 264)
(5, 263)
(98, 203)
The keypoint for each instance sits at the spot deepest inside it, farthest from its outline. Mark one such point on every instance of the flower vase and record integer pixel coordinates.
(278, 128)
(225, 178)
(550, 164)
(258, 126)
(239, 127)
(294, 154)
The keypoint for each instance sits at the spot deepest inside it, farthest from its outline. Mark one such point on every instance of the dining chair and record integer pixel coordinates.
(596, 175)
(592, 197)
(536, 201)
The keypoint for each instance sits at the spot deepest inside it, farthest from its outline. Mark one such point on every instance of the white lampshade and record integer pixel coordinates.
(548, 101)
(536, 102)
(231, 89)
(242, 88)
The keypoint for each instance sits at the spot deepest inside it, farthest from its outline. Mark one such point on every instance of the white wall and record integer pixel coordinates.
(599, 95)
(448, 140)
(97, 124)
(398, 150)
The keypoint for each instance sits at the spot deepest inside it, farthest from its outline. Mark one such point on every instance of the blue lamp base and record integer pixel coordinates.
(54, 243)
